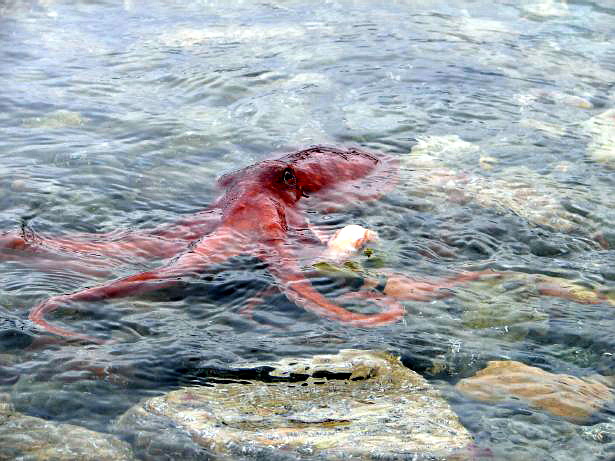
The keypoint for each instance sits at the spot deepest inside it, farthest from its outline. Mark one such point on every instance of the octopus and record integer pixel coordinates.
(260, 212)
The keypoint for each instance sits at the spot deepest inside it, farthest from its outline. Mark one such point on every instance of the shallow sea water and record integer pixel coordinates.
(121, 115)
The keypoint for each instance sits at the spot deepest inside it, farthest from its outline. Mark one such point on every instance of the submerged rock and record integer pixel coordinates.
(512, 304)
(496, 308)
(553, 97)
(27, 437)
(601, 128)
(435, 168)
(58, 119)
(528, 195)
(356, 404)
(572, 398)
(550, 129)
(545, 9)
(444, 148)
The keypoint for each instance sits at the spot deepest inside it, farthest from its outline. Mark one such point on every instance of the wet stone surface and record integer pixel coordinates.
(601, 129)
(353, 405)
(435, 165)
(29, 438)
(572, 398)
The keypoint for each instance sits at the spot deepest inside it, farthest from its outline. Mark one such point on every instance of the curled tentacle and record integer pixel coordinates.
(37, 316)
(211, 250)
(392, 310)
(299, 290)
(410, 289)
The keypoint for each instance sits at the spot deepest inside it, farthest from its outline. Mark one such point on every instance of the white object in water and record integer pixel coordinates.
(347, 241)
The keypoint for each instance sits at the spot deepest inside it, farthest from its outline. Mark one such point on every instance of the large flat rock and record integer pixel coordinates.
(358, 404)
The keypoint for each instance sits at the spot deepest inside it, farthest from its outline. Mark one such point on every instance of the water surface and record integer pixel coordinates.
(121, 116)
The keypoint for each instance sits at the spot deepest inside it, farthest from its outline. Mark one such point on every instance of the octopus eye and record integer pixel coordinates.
(289, 177)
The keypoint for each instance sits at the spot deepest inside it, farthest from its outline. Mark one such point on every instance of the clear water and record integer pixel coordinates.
(121, 115)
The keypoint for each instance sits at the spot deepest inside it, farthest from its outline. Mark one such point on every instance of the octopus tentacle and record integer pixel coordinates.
(420, 289)
(248, 309)
(299, 290)
(213, 249)
(162, 242)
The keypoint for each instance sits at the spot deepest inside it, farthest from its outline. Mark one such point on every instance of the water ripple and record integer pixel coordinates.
(120, 116)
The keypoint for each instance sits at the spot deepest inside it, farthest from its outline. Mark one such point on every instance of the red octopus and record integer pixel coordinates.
(259, 213)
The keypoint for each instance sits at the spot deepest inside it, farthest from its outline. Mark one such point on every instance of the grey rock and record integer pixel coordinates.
(25, 437)
(355, 404)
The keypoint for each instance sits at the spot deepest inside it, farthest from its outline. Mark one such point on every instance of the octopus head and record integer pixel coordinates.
(321, 168)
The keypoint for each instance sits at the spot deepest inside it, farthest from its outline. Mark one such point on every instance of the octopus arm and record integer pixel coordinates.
(299, 290)
(211, 250)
